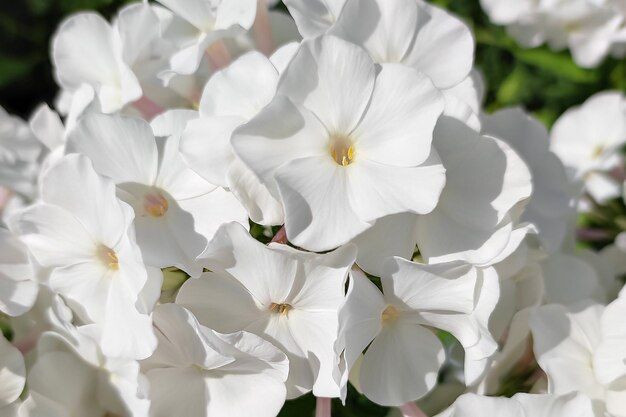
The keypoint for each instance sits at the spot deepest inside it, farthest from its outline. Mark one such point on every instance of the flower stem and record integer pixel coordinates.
(411, 409)
(322, 408)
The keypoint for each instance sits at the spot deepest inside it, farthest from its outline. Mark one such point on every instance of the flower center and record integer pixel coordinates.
(281, 309)
(390, 314)
(155, 205)
(108, 257)
(342, 149)
(597, 152)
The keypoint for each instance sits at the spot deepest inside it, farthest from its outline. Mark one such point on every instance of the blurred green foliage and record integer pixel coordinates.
(544, 82)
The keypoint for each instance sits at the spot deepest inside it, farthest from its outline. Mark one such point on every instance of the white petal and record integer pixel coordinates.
(12, 373)
(393, 26)
(444, 287)
(393, 235)
(332, 78)
(212, 298)
(397, 127)
(54, 236)
(401, 364)
(91, 199)
(377, 190)
(314, 17)
(360, 318)
(443, 49)
(608, 359)
(318, 212)
(121, 148)
(242, 89)
(263, 208)
(267, 274)
(264, 145)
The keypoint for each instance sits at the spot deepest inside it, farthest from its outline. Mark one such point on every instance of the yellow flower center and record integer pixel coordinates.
(281, 309)
(108, 257)
(155, 205)
(390, 314)
(342, 149)
(597, 152)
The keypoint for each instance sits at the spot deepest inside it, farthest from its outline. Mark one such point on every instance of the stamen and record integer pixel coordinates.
(108, 257)
(597, 152)
(390, 314)
(342, 149)
(281, 309)
(155, 205)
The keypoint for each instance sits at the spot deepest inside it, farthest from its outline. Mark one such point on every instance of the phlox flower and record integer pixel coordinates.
(90, 53)
(548, 208)
(403, 354)
(92, 384)
(287, 297)
(231, 98)
(589, 28)
(198, 372)
(19, 157)
(18, 289)
(587, 138)
(83, 237)
(477, 216)
(344, 143)
(176, 211)
(581, 348)
(12, 378)
(521, 405)
(200, 24)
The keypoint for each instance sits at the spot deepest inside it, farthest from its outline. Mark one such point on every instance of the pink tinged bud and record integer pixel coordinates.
(262, 29)
(218, 55)
(5, 196)
(322, 408)
(148, 108)
(281, 236)
(411, 409)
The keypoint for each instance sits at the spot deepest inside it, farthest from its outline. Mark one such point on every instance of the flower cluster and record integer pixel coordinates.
(231, 208)
(591, 29)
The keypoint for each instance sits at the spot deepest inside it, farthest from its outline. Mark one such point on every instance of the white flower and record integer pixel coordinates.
(230, 99)
(19, 156)
(87, 50)
(176, 211)
(197, 372)
(588, 138)
(82, 234)
(288, 297)
(589, 28)
(403, 355)
(549, 205)
(581, 348)
(314, 17)
(18, 289)
(411, 32)
(344, 144)
(203, 23)
(12, 377)
(472, 405)
(71, 377)
(475, 219)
